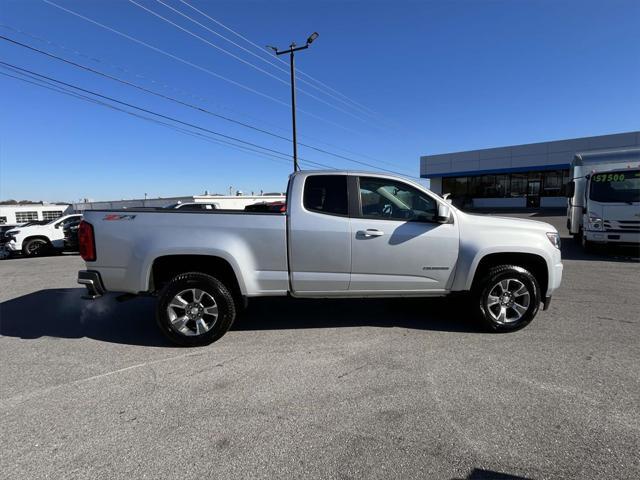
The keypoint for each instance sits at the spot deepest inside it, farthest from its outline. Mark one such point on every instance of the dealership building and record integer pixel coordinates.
(532, 175)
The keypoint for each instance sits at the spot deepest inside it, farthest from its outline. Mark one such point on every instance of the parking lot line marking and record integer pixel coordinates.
(17, 399)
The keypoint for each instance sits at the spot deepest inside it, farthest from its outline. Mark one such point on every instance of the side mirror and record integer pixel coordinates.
(571, 189)
(444, 213)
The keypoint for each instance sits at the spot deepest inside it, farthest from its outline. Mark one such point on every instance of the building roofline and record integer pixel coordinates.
(532, 168)
(637, 132)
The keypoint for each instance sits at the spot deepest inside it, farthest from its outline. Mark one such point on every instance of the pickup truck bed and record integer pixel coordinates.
(254, 243)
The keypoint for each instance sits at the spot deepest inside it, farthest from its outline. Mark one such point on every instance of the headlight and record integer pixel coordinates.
(595, 222)
(554, 238)
(11, 233)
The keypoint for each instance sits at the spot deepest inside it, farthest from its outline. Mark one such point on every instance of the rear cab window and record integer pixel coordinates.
(326, 194)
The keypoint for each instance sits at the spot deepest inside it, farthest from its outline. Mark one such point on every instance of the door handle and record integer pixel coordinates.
(371, 232)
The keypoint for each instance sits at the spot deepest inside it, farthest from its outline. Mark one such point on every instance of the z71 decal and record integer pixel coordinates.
(115, 216)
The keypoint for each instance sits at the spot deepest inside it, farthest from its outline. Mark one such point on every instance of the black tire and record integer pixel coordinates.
(587, 246)
(35, 247)
(516, 277)
(188, 337)
(577, 237)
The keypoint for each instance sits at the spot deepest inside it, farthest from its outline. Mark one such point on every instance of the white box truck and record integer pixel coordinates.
(603, 204)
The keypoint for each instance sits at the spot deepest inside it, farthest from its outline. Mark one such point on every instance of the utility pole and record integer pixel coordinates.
(293, 48)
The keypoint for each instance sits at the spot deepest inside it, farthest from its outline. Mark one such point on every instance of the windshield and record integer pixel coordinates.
(616, 187)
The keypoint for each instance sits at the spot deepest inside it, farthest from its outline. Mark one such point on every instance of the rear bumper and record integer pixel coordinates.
(93, 283)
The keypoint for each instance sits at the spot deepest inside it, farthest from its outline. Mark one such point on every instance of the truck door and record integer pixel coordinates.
(319, 234)
(397, 244)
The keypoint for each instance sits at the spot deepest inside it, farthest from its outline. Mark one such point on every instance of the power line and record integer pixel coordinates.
(268, 62)
(193, 65)
(147, 111)
(50, 86)
(261, 49)
(195, 35)
(186, 93)
(195, 107)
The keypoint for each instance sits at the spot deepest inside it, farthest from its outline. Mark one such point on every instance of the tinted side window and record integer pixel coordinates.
(326, 194)
(386, 199)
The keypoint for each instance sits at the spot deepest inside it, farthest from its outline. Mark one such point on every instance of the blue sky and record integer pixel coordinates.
(441, 76)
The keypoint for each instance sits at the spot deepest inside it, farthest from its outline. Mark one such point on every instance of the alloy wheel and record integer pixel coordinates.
(192, 312)
(508, 300)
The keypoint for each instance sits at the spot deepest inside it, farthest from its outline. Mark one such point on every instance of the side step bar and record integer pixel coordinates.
(92, 281)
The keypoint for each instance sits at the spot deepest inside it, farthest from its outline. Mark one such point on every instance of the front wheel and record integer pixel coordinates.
(507, 298)
(195, 309)
(35, 247)
(587, 245)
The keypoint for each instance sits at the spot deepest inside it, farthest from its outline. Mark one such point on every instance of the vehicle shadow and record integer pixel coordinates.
(482, 474)
(436, 314)
(62, 313)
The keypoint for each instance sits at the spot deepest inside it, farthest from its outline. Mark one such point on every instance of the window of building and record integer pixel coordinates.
(326, 194)
(518, 187)
(502, 185)
(487, 186)
(22, 217)
(552, 184)
(51, 214)
(473, 187)
(456, 186)
(461, 186)
(449, 185)
(3, 220)
(389, 200)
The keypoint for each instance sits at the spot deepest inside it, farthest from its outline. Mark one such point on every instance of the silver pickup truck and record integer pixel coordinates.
(344, 234)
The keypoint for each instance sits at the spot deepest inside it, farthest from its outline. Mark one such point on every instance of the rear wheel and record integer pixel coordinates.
(35, 247)
(507, 298)
(195, 309)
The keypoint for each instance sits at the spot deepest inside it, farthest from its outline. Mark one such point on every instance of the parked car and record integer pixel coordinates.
(193, 206)
(276, 207)
(344, 234)
(6, 228)
(70, 232)
(34, 240)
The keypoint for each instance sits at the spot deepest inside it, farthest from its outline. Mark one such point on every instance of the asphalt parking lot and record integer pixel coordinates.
(321, 389)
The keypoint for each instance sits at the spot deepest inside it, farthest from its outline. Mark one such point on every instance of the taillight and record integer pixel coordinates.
(86, 242)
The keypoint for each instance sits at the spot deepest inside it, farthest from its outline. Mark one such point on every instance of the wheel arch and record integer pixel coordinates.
(165, 267)
(535, 263)
(35, 237)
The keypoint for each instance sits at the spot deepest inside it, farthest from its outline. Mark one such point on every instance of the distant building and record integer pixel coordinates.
(13, 214)
(532, 175)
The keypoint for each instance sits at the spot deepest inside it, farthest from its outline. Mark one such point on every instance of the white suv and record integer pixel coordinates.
(34, 240)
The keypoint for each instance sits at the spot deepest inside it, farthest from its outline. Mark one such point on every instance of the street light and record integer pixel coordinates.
(293, 48)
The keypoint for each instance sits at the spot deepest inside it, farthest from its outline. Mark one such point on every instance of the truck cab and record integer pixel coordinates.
(603, 204)
(612, 208)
